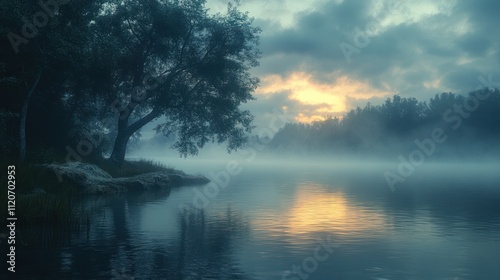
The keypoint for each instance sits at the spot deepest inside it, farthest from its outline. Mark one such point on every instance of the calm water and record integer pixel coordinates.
(283, 222)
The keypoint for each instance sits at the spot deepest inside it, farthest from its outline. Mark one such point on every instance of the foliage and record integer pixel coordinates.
(200, 65)
(394, 126)
(93, 61)
(58, 54)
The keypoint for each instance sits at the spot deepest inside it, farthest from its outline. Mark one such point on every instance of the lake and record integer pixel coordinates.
(289, 221)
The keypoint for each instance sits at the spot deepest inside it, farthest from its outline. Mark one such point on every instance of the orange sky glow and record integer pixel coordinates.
(328, 99)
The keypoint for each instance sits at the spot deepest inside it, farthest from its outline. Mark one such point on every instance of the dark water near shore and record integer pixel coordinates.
(288, 222)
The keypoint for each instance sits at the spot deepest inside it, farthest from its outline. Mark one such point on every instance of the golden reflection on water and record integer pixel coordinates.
(314, 209)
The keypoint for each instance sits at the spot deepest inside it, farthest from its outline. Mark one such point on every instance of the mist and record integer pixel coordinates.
(250, 140)
(439, 134)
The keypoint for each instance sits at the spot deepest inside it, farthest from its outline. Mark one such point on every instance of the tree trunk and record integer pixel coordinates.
(22, 122)
(119, 149)
(125, 131)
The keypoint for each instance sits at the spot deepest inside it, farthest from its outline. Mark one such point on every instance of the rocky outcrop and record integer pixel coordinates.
(90, 179)
(179, 178)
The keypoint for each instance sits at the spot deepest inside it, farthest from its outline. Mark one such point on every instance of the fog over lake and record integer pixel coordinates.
(250, 140)
(272, 217)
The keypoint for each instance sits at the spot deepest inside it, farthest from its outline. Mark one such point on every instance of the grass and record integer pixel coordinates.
(42, 219)
(48, 219)
(132, 168)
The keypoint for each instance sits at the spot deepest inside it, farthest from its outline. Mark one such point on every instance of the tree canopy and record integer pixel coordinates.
(199, 63)
(132, 61)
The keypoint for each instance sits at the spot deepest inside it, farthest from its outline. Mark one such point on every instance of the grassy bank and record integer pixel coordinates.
(46, 208)
(132, 168)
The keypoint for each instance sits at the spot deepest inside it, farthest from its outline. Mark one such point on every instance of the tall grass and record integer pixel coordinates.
(46, 220)
(42, 218)
(132, 168)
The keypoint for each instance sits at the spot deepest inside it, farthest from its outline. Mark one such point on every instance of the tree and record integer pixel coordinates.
(176, 62)
(40, 54)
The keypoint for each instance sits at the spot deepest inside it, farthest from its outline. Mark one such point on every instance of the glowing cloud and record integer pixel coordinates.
(325, 99)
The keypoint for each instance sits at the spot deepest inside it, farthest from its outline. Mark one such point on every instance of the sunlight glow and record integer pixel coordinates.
(317, 210)
(325, 98)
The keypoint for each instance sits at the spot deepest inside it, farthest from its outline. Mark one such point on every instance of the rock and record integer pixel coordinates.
(90, 179)
(101, 186)
(145, 182)
(78, 171)
(185, 179)
(179, 178)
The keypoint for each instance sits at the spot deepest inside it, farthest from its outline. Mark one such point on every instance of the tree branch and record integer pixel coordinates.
(133, 32)
(185, 42)
(142, 122)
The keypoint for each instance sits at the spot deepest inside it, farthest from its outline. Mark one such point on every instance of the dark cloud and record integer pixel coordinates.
(439, 52)
(474, 44)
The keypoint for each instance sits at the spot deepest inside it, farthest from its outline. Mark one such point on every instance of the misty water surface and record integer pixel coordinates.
(442, 223)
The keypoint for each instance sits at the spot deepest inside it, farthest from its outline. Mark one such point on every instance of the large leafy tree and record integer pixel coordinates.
(175, 62)
(42, 59)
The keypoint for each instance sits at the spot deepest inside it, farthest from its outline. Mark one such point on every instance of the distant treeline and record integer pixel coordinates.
(469, 127)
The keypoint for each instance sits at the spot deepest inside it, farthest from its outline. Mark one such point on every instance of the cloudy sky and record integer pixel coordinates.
(325, 57)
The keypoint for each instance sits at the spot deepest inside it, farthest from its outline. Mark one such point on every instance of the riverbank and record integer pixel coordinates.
(46, 194)
(91, 179)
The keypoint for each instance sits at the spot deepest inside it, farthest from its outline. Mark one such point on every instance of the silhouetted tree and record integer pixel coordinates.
(173, 60)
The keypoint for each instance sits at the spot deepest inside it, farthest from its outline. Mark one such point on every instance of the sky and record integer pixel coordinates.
(323, 58)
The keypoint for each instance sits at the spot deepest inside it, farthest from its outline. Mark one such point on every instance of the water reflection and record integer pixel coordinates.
(206, 246)
(121, 246)
(260, 226)
(317, 209)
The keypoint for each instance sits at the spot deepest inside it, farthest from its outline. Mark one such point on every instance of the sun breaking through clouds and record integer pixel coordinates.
(418, 49)
(326, 99)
